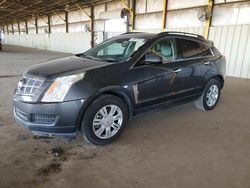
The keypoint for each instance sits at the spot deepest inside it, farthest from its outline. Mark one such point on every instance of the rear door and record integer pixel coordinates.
(195, 57)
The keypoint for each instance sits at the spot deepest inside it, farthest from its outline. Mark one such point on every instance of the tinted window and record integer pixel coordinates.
(190, 49)
(166, 49)
(205, 50)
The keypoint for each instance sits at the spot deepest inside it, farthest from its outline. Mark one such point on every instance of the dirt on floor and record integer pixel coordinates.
(180, 147)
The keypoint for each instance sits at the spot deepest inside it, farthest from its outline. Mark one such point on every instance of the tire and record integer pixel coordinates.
(104, 120)
(208, 101)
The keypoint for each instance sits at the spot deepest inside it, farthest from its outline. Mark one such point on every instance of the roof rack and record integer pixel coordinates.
(183, 33)
(131, 33)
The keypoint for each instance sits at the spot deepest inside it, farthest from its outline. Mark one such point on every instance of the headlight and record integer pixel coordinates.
(58, 90)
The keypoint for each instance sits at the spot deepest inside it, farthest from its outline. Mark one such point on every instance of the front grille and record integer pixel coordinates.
(43, 118)
(29, 85)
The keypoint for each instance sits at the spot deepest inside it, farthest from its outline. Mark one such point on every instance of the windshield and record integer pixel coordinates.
(116, 50)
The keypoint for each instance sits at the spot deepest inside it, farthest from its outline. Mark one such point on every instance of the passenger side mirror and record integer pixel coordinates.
(151, 58)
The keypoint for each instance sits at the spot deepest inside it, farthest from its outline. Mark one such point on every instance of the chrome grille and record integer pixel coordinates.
(29, 85)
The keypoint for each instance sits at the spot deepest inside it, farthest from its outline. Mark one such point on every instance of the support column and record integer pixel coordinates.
(92, 26)
(8, 29)
(130, 6)
(26, 27)
(3, 29)
(13, 32)
(49, 24)
(133, 7)
(208, 22)
(164, 15)
(18, 25)
(67, 21)
(91, 16)
(36, 24)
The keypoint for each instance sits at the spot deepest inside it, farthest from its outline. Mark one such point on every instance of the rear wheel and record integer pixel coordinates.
(210, 96)
(104, 120)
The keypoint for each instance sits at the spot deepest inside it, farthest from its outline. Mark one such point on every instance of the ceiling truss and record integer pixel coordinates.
(13, 11)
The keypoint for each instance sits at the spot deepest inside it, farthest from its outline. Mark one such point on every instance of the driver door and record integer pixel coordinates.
(159, 81)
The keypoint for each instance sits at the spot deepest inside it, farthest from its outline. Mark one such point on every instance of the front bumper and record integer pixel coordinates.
(50, 119)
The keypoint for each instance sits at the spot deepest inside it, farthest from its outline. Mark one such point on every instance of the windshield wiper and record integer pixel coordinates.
(91, 57)
(109, 59)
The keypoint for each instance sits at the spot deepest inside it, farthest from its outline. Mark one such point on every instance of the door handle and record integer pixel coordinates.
(207, 63)
(177, 70)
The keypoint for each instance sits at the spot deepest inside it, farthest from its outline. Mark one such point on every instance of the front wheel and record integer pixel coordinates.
(210, 96)
(104, 120)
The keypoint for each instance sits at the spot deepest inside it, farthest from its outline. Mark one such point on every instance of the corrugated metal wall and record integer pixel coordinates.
(234, 43)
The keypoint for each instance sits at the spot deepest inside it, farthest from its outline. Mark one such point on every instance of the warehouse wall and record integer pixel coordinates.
(62, 42)
(234, 43)
(229, 29)
(183, 13)
(77, 40)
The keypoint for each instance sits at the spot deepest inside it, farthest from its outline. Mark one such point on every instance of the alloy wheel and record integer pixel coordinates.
(107, 121)
(212, 95)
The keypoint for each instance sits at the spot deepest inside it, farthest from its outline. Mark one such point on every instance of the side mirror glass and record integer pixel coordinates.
(151, 58)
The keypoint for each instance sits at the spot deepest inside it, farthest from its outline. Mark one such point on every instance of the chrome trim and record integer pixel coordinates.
(136, 92)
(177, 70)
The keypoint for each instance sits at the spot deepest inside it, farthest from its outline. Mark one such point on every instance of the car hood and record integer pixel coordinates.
(65, 66)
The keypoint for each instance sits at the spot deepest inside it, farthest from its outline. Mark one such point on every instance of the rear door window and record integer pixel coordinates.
(191, 49)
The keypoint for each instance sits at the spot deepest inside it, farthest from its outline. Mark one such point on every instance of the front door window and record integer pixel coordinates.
(166, 49)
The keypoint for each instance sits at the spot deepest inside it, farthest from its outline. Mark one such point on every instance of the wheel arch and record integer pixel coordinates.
(122, 95)
(213, 74)
(220, 78)
(115, 91)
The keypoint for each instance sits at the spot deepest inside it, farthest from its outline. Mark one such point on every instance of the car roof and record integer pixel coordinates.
(137, 35)
(145, 35)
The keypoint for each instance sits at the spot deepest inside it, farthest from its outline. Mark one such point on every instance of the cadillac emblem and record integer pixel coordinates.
(20, 85)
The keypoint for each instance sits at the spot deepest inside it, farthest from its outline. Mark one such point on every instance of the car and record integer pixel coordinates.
(95, 93)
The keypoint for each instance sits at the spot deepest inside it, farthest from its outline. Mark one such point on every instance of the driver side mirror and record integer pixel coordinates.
(151, 58)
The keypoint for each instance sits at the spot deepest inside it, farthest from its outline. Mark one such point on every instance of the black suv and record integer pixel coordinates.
(98, 91)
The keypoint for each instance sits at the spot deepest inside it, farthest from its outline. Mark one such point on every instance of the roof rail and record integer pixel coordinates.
(131, 32)
(183, 33)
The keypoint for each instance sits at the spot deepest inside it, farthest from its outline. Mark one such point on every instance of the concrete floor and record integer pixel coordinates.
(178, 147)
